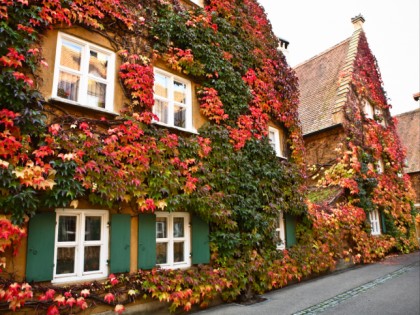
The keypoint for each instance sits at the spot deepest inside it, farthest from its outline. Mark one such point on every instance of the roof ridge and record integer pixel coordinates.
(322, 53)
(408, 113)
(344, 87)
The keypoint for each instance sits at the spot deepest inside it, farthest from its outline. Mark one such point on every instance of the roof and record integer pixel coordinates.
(324, 82)
(408, 129)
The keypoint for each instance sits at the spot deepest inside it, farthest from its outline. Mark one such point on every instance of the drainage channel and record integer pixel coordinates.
(318, 308)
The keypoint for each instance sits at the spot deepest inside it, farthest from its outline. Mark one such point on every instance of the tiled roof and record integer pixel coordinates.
(324, 82)
(408, 128)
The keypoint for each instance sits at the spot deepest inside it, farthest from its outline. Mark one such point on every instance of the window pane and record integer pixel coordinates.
(67, 229)
(161, 110)
(179, 252)
(179, 116)
(92, 255)
(65, 260)
(178, 227)
(272, 139)
(71, 55)
(98, 64)
(68, 86)
(161, 253)
(96, 94)
(180, 92)
(161, 228)
(93, 229)
(161, 85)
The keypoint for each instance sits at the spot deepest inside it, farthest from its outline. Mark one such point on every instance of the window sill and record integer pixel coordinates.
(78, 105)
(74, 280)
(192, 131)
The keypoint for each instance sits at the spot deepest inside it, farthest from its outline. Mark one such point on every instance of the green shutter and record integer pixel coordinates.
(120, 243)
(383, 224)
(290, 230)
(200, 241)
(40, 252)
(147, 241)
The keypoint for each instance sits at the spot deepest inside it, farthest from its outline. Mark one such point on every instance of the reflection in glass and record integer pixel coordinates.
(161, 85)
(178, 227)
(67, 229)
(65, 260)
(96, 94)
(71, 55)
(178, 251)
(68, 86)
(180, 92)
(93, 229)
(92, 255)
(161, 110)
(161, 228)
(161, 253)
(180, 116)
(98, 63)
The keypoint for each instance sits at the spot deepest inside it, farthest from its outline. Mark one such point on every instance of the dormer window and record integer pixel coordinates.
(368, 109)
(277, 141)
(83, 73)
(173, 104)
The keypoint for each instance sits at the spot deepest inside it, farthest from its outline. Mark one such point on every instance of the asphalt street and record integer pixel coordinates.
(390, 287)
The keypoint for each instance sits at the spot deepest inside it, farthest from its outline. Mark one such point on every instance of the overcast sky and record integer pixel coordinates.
(392, 29)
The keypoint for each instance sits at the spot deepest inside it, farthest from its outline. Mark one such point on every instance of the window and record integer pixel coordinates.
(276, 139)
(172, 240)
(81, 245)
(380, 166)
(368, 109)
(380, 115)
(84, 73)
(172, 100)
(281, 232)
(374, 222)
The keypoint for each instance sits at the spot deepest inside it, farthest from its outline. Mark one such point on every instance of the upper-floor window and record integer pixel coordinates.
(173, 240)
(173, 101)
(374, 222)
(83, 73)
(277, 141)
(81, 245)
(380, 115)
(368, 109)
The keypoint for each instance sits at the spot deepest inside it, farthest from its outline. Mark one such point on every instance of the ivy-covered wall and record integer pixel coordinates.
(228, 174)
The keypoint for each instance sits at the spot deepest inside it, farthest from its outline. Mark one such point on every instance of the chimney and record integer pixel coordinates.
(358, 22)
(283, 44)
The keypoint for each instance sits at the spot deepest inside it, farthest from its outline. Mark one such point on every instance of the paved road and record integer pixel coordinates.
(391, 287)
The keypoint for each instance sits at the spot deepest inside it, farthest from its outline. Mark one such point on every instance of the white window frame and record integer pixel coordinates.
(277, 142)
(281, 232)
(380, 166)
(171, 103)
(368, 109)
(170, 239)
(379, 113)
(80, 243)
(375, 225)
(84, 72)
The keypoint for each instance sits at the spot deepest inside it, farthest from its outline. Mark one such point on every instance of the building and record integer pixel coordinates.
(408, 127)
(145, 138)
(350, 138)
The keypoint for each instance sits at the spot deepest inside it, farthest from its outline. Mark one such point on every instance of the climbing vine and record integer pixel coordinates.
(228, 174)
